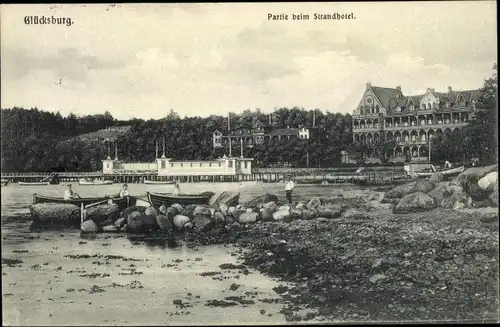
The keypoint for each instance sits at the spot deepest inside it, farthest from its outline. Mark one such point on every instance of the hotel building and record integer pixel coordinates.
(386, 114)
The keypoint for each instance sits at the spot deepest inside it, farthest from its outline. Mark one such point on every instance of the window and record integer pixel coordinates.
(422, 106)
(171, 165)
(230, 164)
(245, 164)
(182, 165)
(220, 164)
(191, 164)
(201, 164)
(107, 165)
(163, 164)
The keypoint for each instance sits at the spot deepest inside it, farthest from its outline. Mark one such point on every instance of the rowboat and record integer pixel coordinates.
(167, 199)
(33, 183)
(94, 182)
(122, 203)
(445, 172)
(147, 181)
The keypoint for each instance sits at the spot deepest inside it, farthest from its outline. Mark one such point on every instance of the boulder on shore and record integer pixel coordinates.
(296, 214)
(281, 215)
(230, 199)
(355, 214)
(150, 211)
(454, 201)
(314, 203)
(103, 212)
(180, 221)
(476, 192)
(248, 217)
(415, 202)
(110, 229)
(494, 196)
(266, 214)
(271, 206)
(436, 178)
(265, 198)
(89, 226)
(219, 218)
(140, 223)
(473, 175)
(488, 182)
(61, 213)
(202, 222)
(202, 210)
(164, 222)
(423, 186)
(400, 191)
(329, 211)
(308, 214)
(120, 222)
(177, 207)
(189, 210)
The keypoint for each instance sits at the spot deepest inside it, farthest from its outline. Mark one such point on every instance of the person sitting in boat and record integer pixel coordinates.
(124, 192)
(447, 164)
(70, 194)
(177, 188)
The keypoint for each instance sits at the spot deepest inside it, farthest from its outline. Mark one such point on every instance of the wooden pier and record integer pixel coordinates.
(302, 176)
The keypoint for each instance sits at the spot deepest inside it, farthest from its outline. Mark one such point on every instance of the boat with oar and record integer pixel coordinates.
(33, 183)
(94, 182)
(446, 172)
(167, 199)
(148, 181)
(122, 202)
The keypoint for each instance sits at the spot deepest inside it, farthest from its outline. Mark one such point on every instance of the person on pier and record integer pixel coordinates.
(177, 188)
(289, 186)
(69, 193)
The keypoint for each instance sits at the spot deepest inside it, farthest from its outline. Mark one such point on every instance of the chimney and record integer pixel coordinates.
(314, 118)
(368, 85)
(398, 88)
(450, 89)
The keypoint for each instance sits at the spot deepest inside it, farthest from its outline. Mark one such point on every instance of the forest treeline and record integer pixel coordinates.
(36, 140)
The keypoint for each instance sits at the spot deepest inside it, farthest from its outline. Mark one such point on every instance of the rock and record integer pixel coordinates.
(110, 229)
(180, 221)
(476, 192)
(219, 218)
(237, 213)
(229, 219)
(164, 222)
(189, 210)
(300, 205)
(329, 211)
(423, 186)
(163, 209)
(202, 210)
(139, 223)
(265, 198)
(231, 210)
(120, 222)
(440, 192)
(281, 215)
(177, 207)
(249, 210)
(270, 206)
(266, 215)
(103, 212)
(314, 203)
(89, 226)
(454, 201)
(480, 204)
(488, 182)
(285, 207)
(212, 212)
(227, 198)
(60, 213)
(150, 211)
(238, 206)
(124, 228)
(309, 214)
(248, 217)
(235, 224)
(415, 202)
(296, 214)
(188, 225)
(129, 210)
(436, 178)
(202, 222)
(401, 190)
(355, 214)
(224, 209)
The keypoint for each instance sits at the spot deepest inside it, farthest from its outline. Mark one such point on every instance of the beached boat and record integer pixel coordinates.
(167, 199)
(94, 182)
(445, 172)
(121, 202)
(33, 183)
(147, 181)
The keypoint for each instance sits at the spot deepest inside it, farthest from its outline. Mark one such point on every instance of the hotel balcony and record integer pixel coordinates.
(434, 125)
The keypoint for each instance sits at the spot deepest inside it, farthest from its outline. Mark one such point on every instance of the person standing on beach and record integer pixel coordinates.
(177, 188)
(124, 192)
(289, 186)
(70, 194)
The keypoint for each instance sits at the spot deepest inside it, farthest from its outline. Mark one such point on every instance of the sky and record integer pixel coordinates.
(142, 60)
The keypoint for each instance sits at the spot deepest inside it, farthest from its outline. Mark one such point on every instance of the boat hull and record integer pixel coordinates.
(83, 182)
(147, 181)
(447, 172)
(121, 202)
(158, 199)
(33, 183)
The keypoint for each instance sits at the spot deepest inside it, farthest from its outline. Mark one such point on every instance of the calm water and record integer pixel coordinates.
(50, 288)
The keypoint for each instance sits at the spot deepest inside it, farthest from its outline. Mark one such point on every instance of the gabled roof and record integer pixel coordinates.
(384, 95)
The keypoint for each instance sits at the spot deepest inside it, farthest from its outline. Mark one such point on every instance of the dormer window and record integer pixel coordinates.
(411, 107)
(398, 109)
(422, 106)
(448, 104)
